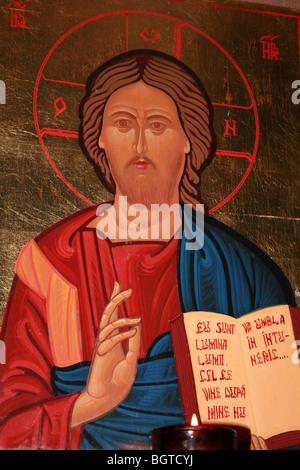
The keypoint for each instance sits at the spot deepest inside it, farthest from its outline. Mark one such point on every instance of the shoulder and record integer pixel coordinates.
(230, 241)
(227, 237)
(54, 247)
(237, 250)
(229, 259)
(61, 234)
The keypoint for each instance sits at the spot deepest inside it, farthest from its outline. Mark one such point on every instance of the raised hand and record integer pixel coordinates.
(112, 371)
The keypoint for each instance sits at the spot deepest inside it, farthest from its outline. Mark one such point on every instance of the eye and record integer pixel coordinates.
(158, 126)
(122, 123)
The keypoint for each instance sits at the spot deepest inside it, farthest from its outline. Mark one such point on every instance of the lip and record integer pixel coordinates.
(141, 164)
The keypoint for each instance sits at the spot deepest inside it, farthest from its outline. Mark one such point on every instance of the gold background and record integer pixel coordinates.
(265, 209)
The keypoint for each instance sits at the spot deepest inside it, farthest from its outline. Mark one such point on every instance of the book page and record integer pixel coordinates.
(273, 370)
(217, 364)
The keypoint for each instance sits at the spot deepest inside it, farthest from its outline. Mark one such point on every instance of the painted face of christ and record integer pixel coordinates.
(147, 127)
(145, 144)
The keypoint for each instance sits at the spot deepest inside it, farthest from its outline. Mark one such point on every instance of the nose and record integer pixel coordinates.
(140, 144)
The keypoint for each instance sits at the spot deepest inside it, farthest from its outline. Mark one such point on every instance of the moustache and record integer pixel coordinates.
(139, 158)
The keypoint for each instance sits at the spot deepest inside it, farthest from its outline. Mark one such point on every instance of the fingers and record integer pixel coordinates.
(108, 335)
(107, 345)
(116, 290)
(134, 347)
(258, 443)
(122, 322)
(116, 299)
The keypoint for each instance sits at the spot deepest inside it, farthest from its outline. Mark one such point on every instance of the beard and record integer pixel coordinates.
(147, 190)
(140, 190)
(152, 187)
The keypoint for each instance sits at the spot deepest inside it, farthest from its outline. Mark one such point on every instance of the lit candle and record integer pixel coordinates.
(193, 437)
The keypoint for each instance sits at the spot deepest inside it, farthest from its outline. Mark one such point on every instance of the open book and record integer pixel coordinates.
(242, 372)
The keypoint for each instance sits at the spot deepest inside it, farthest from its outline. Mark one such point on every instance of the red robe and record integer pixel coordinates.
(64, 279)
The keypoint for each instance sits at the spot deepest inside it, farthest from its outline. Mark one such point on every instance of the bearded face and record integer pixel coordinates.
(148, 127)
(145, 144)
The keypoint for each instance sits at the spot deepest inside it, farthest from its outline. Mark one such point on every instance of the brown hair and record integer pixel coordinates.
(175, 79)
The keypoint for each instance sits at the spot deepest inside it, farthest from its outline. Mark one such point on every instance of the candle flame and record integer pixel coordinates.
(194, 420)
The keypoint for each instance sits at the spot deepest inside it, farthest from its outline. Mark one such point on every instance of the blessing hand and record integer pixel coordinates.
(112, 371)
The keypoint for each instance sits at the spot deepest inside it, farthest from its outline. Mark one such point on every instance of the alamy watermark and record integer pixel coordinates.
(136, 222)
(2, 92)
(296, 354)
(296, 94)
(2, 353)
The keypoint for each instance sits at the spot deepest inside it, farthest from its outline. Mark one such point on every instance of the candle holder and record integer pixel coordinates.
(181, 437)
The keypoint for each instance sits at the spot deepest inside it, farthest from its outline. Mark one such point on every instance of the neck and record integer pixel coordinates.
(160, 222)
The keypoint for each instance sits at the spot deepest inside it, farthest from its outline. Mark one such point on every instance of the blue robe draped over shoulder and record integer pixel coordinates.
(228, 275)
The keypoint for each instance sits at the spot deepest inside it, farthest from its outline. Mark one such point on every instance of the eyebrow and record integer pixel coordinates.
(123, 113)
(157, 113)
